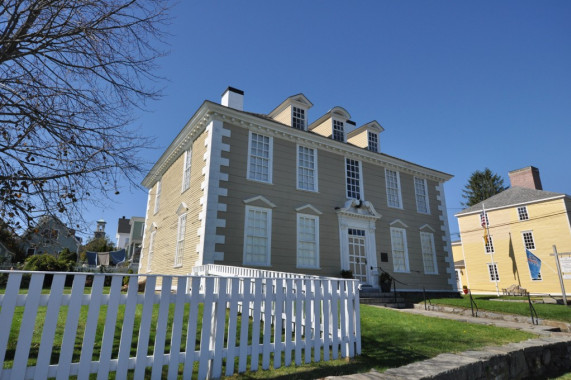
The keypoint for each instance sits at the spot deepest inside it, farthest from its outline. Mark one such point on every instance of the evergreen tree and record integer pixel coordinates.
(482, 185)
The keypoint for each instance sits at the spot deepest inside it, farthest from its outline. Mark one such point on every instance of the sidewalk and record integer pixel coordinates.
(549, 354)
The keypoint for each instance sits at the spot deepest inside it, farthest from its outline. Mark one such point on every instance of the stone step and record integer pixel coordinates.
(393, 305)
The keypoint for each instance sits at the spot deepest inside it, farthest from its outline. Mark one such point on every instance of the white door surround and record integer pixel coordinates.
(360, 217)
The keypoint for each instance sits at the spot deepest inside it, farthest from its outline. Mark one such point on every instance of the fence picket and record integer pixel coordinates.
(232, 326)
(289, 311)
(161, 329)
(219, 328)
(246, 293)
(308, 300)
(127, 329)
(70, 330)
(357, 324)
(278, 321)
(326, 316)
(145, 328)
(91, 326)
(335, 318)
(192, 327)
(267, 300)
(176, 333)
(7, 312)
(298, 320)
(109, 328)
(27, 327)
(316, 287)
(256, 314)
(50, 325)
(204, 365)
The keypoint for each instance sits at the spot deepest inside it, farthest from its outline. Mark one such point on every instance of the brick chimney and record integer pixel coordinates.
(233, 98)
(527, 177)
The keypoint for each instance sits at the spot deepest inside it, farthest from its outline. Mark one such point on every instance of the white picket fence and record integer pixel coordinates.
(195, 331)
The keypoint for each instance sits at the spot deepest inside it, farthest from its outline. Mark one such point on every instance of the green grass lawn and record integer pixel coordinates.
(544, 311)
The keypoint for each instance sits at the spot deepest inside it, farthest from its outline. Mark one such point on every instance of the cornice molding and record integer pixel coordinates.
(209, 111)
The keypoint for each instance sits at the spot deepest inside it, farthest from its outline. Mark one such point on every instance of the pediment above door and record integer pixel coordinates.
(356, 208)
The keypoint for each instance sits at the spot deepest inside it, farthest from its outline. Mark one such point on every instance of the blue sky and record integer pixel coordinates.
(458, 86)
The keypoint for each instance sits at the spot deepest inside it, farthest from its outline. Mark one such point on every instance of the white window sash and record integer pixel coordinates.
(267, 237)
(181, 231)
(299, 169)
(186, 168)
(158, 197)
(428, 257)
(421, 196)
(395, 233)
(313, 242)
(397, 190)
(360, 183)
(269, 159)
(151, 250)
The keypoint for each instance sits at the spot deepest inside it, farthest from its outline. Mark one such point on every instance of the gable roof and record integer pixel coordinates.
(513, 196)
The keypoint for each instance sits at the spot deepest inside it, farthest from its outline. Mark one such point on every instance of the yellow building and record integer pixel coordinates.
(523, 217)
(459, 265)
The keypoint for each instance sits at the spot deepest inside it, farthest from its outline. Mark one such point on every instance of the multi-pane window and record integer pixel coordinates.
(421, 193)
(428, 253)
(298, 118)
(373, 141)
(180, 240)
(528, 240)
(186, 170)
(306, 168)
(158, 197)
(307, 241)
(399, 248)
(260, 159)
(493, 272)
(393, 188)
(489, 244)
(353, 176)
(522, 213)
(257, 236)
(151, 250)
(338, 131)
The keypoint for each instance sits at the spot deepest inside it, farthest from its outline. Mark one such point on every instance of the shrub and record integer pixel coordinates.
(67, 256)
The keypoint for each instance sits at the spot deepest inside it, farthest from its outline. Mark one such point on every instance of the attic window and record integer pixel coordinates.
(373, 139)
(298, 118)
(338, 131)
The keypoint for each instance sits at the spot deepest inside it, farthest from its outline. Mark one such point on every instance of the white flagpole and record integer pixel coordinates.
(494, 267)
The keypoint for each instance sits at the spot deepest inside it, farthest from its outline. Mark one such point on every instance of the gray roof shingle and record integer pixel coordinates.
(512, 196)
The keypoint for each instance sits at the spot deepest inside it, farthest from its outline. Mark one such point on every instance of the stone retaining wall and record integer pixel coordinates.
(531, 359)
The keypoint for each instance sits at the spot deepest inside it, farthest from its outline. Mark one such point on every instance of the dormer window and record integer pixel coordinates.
(298, 118)
(338, 131)
(373, 140)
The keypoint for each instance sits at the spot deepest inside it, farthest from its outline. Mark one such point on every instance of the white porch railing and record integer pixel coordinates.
(227, 270)
(196, 331)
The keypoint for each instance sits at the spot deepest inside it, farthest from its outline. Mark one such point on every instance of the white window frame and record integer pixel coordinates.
(495, 272)
(430, 237)
(294, 118)
(268, 237)
(158, 196)
(181, 232)
(522, 213)
(398, 189)
(525, 244)
(373, 146)
(360, 179)
(186, 168)
(151, 249)
(314, 170)
(489, 246)
(300, 241)
(419, 195)
(269, 158)
(342, 125)
(405, 250)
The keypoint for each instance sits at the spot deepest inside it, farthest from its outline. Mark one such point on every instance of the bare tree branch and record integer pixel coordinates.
(71, 74)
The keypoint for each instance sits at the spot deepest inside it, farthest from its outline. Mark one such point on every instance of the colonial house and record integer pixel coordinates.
(130, 236)
(50, 236)
(496, 233)
(276, 191)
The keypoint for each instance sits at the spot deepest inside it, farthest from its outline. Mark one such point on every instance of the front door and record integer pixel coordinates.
(357, 254)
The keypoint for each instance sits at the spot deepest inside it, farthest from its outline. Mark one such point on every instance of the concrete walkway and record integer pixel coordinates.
(550, 354)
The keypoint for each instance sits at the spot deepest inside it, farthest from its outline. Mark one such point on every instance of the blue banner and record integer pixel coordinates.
(534, 265)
